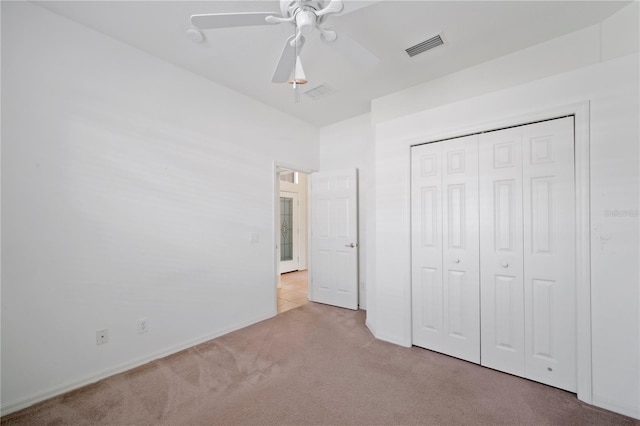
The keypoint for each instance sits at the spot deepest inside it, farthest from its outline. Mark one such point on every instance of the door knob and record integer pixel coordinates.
(350, 245)
(456, 261)
(505, 265)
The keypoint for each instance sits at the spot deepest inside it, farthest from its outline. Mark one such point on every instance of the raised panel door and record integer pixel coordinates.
(426, 246)
(460, 257)
(334, 238)
(445, 284)
(549, 253)
(500, 186)
(508, 200)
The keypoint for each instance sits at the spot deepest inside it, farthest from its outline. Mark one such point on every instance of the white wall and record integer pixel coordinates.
(130, 188)
(611, 87)
(345, 145)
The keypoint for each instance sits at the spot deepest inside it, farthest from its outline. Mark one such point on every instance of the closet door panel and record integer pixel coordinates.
(501, 251)
(549, 253)
(461, 281)
(426, 246)
(445, 281)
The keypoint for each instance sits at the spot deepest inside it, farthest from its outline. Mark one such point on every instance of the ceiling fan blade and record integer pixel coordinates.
(353, 5)
(351, 50)
(226, 20)
(334, 6)
(287, 60)
(279, 19)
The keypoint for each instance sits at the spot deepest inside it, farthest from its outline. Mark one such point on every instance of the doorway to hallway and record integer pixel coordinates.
(292, 291)
(292, 239)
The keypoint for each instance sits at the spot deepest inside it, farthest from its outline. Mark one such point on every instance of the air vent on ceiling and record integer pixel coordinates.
(424, 46)
(319, 92)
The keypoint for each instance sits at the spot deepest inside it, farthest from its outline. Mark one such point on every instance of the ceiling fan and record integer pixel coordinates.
(305, 16)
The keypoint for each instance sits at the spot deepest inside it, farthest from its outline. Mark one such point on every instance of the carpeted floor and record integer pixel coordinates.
(312, 365)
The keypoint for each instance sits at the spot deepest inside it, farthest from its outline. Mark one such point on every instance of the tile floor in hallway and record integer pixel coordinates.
(293, 290)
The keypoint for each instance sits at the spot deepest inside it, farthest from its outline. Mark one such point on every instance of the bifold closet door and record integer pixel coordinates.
(528, 252)
(501, 250)
(445, 258)
(549, 253)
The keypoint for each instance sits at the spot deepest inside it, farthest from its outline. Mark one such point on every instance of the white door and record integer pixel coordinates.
(511, 194)
(289, 232)
(501, 245)
(334, 238)
(445, 260)
(528, 252)
(549, 253)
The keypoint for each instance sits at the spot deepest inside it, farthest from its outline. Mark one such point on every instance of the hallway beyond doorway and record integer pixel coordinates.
(293, 290)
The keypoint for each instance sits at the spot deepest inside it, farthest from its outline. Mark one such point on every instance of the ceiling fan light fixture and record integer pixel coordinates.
(298, 76)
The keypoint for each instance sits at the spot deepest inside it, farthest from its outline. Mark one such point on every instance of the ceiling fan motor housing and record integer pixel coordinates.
(304, 12)
(305, 21)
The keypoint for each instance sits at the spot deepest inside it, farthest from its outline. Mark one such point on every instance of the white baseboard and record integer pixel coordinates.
(393, 339)
(370, 326)
(610, 405)
(76, 384)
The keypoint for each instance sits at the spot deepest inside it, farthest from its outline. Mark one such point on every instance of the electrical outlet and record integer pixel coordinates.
(143, 325)
(102, 337)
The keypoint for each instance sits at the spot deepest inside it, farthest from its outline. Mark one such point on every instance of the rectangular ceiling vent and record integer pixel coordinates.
(424, 46)
(319, 92)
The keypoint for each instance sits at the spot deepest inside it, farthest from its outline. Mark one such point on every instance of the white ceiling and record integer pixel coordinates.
(244, 59)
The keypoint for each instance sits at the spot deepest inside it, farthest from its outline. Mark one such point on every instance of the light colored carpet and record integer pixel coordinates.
(312, 365)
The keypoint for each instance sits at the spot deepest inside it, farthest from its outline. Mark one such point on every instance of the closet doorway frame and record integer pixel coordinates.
(581, 113)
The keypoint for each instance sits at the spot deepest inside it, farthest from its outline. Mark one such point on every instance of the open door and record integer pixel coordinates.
(334, 238)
